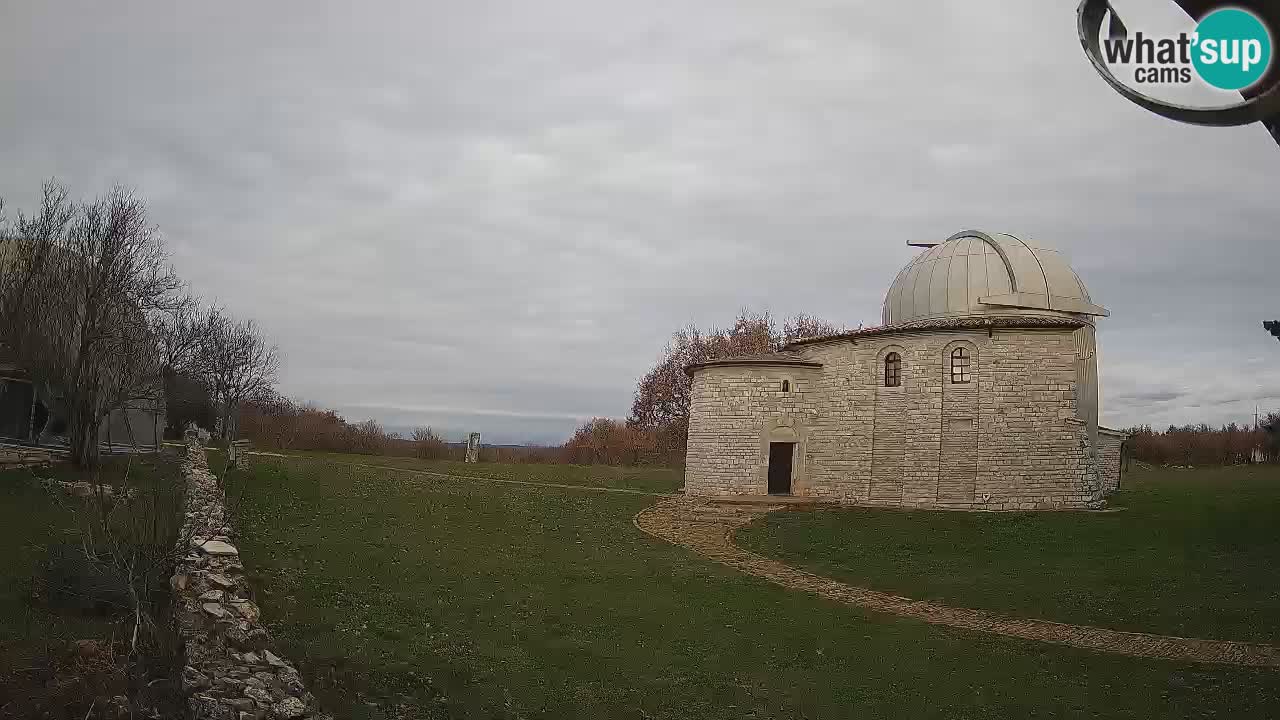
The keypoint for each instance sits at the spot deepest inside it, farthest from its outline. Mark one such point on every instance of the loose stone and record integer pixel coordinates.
(288, 709)
(221, 581)
(219, 548)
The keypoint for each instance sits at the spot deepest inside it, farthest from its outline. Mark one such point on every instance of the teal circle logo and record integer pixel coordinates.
(1232, 49)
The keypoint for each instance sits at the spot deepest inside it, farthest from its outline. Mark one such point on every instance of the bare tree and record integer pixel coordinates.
(181, 333)
(81, 286)
(182, 336)
(428, 444)
(661, 401)
(805, 326)
(240, 366)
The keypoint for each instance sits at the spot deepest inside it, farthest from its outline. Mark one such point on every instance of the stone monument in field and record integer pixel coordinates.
(473, 448)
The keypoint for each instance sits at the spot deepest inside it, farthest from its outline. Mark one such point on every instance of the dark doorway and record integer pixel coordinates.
(780, 468)
(15, 409)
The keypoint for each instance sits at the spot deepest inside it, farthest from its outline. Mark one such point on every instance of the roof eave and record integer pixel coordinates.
(750, 362)
(967, 322)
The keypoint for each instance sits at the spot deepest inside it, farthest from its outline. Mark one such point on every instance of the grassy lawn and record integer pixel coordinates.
(35, 673)
(1194, 553)
(30, 519)
(408, 596)
(650, 479)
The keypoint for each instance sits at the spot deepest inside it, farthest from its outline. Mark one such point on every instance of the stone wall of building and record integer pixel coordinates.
(231, 671)
(739, 408)
(1110, 457)
(1002, 441)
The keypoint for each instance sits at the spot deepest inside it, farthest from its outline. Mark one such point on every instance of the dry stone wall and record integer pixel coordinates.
(231, 671)
(14, 458)
(1010, 439)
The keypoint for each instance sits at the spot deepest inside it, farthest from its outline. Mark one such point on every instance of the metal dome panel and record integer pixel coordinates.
(976, 273)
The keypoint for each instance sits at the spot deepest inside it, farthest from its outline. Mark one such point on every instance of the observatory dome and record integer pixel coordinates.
(979, 273)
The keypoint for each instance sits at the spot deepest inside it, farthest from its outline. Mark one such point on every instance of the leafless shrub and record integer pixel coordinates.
(238, 365)
(368, 438)
(429, 445)
(661, 402)
(1204, 445)
(279, 423)
(605, 441)
(183, 335)
(126, 542)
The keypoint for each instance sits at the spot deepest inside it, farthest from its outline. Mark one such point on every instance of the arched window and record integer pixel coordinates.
(960, 365)
(786, 386)
(892, 370)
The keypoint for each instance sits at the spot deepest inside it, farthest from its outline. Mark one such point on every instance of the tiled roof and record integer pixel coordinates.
(784, 359)
(950, 323)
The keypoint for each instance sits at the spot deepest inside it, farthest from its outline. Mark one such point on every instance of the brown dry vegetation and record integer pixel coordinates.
(1204, 445)
(654, 434)
(280, 424)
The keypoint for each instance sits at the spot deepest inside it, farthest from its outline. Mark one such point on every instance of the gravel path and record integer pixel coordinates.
(707, 527)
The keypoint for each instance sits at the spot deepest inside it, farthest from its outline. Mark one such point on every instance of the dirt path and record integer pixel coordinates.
(707, 528)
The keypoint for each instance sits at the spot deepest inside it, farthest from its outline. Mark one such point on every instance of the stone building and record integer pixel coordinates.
(979, 391)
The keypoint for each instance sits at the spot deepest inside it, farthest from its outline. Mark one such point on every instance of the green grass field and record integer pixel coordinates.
(650, 479)
(30, 519)
(403, 595)
(1192, 553)
(35, 674)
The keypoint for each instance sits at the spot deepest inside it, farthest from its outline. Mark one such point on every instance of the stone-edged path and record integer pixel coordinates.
(707, 528)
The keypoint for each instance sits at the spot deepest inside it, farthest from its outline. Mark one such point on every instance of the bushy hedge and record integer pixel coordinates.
(1204, 445)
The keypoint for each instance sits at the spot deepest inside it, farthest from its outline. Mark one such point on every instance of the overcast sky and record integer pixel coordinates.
(490, 216)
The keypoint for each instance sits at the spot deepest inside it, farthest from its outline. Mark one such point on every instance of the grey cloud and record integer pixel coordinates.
(491, 216)
(1150, 397)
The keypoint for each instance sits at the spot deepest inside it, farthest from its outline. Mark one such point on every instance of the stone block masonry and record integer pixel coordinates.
(231, 672)
(1110, 457)
(1016, 434)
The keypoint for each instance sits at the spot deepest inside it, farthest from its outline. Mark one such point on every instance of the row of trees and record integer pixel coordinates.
(92, 311)
(273, 421)
(282, 424)
(605, 441)
(1230, 444)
